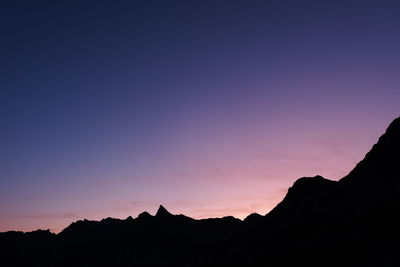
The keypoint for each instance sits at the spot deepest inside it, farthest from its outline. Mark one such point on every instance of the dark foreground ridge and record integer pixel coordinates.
(352, 222)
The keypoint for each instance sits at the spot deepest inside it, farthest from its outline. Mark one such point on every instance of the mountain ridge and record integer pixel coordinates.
(352, 222)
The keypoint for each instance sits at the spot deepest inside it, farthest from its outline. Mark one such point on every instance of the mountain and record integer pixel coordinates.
(163, 212)
(351, 222)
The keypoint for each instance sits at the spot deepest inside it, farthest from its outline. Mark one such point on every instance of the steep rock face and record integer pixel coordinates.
(372, 188)
(381, 165)
(353, 222)
(373, 185)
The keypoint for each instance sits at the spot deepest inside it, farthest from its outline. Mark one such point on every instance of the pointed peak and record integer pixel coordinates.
(162, 212)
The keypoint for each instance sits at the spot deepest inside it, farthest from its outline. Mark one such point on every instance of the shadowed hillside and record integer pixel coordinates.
(352, 222)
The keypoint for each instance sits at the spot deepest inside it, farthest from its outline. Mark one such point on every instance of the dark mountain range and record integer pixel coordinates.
(351, 222)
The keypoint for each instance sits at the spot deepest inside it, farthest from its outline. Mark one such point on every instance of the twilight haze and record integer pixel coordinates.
(211, 108)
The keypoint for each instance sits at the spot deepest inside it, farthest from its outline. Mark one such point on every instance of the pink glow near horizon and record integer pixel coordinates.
(237, 176)
(208, 108)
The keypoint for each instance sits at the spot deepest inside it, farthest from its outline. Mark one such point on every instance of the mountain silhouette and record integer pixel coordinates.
(163, 212)
(351, 222)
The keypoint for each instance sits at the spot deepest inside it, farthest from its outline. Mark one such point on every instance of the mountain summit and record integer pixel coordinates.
(163, 212)
(351, 222)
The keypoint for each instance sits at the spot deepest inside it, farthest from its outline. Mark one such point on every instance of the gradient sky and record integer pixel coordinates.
(211, 108)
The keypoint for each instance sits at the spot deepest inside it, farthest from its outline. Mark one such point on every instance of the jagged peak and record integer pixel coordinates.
(163, 212)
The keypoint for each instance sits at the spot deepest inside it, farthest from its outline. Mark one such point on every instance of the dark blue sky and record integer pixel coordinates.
(112, 107)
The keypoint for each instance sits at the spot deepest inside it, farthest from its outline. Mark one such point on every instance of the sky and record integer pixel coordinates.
(210, 108)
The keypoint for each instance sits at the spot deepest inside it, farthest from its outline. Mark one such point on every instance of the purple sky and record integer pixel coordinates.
(211, 108)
